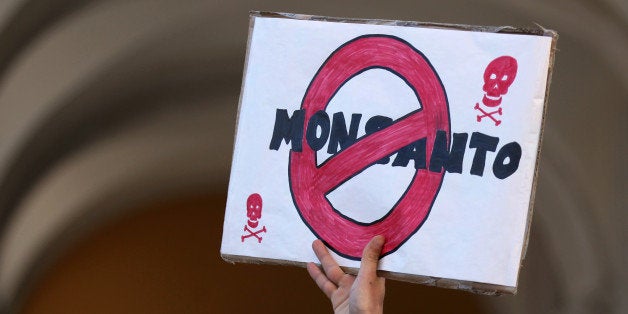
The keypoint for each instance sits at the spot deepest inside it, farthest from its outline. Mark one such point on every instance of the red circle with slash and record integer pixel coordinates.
(310, 183)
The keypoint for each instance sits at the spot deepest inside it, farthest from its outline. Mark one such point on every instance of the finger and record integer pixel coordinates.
(321, 280)
(331, 268)
(370, 257)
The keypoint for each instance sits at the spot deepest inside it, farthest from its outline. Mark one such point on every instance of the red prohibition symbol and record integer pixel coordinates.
(311, 183)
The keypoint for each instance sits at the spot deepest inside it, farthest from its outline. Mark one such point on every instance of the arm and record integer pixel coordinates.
(348, 293)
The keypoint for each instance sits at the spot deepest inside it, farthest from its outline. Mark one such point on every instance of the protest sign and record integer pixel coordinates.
(426, 134)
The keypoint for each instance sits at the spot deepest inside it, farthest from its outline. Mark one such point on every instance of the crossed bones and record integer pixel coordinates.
(253, 234)
(488, 114)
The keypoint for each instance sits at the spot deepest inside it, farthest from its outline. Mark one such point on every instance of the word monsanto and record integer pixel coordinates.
(321, 129)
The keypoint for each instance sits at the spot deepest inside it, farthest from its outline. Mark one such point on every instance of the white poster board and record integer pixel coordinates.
(427, 135)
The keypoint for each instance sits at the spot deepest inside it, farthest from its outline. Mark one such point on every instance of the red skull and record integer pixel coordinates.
(254, 209)
(498, 76)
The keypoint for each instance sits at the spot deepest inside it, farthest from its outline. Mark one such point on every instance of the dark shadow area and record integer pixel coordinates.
(164, 258)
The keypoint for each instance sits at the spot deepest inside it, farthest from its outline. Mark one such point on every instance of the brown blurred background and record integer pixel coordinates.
(116, 131)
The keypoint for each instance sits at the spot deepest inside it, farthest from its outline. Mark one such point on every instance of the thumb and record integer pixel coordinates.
(370, 257)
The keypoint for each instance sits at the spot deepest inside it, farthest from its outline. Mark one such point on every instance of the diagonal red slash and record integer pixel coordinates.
(344, 165)
(311, 183)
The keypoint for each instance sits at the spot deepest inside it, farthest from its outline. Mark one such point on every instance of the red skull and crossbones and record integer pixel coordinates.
(498, 76)
(254, 213)
(254, 209)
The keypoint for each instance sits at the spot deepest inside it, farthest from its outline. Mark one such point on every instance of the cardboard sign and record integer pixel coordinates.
(426, 134)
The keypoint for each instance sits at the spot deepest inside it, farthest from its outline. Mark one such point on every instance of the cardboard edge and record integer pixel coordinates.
(469, 286)
(536, 30)
(237, 118)
(244, 71)
(550, 68)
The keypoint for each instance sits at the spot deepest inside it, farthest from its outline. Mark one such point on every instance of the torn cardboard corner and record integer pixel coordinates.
(426, 133)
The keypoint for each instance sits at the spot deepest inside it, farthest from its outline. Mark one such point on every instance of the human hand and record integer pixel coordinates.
(348, 293)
